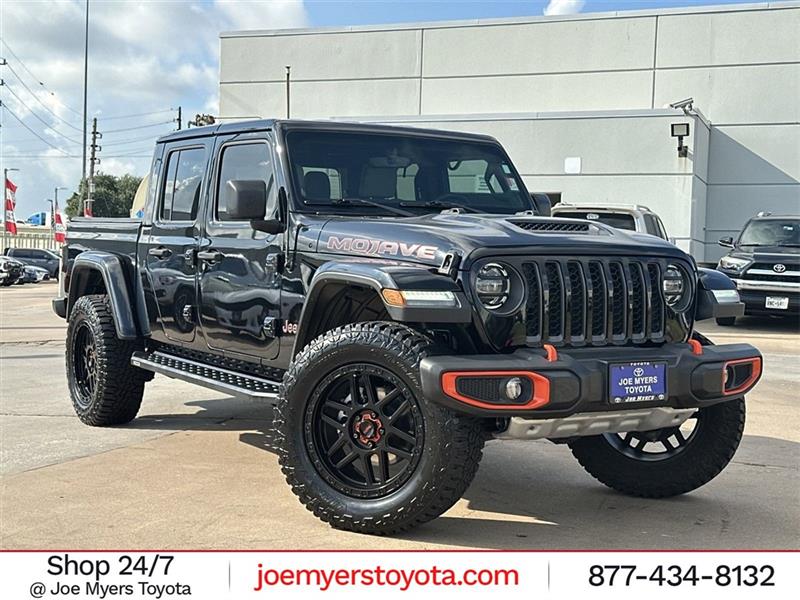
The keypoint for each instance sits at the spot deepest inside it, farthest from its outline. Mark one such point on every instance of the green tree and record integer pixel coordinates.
(113, 196)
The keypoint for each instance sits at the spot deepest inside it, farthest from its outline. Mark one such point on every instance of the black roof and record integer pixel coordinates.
(286, 124)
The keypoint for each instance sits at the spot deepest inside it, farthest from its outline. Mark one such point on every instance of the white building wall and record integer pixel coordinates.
(741, 64)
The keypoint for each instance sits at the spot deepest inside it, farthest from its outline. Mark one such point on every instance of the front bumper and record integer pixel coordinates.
(755, 302)
(577, 381)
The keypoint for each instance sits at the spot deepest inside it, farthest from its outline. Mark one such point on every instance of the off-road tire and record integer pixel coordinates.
(117, 394)
(452, 443)
(703, 459)
(726, 321)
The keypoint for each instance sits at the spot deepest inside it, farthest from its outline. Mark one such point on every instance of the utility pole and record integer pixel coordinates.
(288, 71)
(85, 87)
(87, 211)
(179, 121)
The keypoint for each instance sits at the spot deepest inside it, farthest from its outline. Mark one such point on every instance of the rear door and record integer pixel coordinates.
(171, 242)
(239, 277)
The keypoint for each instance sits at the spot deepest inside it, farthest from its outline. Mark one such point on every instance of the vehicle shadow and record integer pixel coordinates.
(252, 417)
(530, 495)
(535, 495)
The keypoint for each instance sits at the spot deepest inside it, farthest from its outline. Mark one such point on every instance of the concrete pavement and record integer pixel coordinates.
(198, 470)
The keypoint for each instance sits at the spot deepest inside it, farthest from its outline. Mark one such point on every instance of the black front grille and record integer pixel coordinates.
(552, 227)
(574, 301)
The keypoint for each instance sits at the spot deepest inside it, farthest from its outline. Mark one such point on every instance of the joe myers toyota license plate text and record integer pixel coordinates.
(638, 382)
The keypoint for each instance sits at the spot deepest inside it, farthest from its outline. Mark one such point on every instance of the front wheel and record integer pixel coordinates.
(665, 462)
(360, 446)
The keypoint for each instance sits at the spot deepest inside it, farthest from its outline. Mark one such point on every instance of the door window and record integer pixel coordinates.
(244, 162)
(182, 184)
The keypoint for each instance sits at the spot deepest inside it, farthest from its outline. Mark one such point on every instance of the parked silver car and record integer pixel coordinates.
(632, 217)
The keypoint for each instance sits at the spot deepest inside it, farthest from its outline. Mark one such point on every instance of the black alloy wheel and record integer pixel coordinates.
(364, 430)
(657, 444)
(85, 357)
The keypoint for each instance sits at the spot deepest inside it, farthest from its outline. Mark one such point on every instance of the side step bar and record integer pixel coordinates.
(222, 380)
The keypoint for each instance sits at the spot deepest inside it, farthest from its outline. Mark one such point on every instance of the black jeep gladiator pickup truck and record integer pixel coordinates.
(394, 293)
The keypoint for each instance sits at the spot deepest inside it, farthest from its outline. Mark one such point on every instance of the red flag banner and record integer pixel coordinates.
(60, 231)
(10, 205)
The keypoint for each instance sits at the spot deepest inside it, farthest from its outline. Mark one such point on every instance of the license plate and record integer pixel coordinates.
(779, 302)
(637, 382)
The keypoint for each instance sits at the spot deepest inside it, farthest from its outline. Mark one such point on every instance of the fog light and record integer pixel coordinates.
(513, 388)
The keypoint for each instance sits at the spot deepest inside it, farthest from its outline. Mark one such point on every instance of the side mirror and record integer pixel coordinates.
(542, 204)
(246, 199)
(274, 226)
(726, 242)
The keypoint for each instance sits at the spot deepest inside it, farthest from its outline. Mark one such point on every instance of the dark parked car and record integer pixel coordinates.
(397, 295)
(764, 263)
(46, 259)
(11, 271)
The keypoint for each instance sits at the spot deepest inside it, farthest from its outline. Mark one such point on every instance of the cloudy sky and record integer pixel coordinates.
(148, 58)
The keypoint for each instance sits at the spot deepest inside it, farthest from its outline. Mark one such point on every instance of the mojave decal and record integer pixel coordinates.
(368, 246)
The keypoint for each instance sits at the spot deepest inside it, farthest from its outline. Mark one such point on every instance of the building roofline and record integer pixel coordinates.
(625, 113)
(626, 14)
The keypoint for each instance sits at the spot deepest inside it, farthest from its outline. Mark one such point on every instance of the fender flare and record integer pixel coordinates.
(708, 304)
(110, 269)
(380, 276)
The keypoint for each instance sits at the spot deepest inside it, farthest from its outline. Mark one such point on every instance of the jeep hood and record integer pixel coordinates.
(428, 239)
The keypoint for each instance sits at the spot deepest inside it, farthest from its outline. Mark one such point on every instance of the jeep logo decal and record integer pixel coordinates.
(367, 246)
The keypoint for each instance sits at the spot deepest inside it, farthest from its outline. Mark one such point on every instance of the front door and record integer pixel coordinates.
(239, 266)
(171, 242)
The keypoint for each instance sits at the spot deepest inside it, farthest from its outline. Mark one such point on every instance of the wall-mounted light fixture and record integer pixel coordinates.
(680, 131)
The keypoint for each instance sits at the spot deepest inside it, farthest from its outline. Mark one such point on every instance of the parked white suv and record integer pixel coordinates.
(632, 217)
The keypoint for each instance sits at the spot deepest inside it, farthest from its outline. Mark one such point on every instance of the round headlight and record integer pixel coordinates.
(492, 285)
(677, 291)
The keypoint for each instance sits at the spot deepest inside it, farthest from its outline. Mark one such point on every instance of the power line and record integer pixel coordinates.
(41, 83)
(138, 127)
(144, 114)
(49, 156)
(46, 124)
(21, 122)
(39, 100)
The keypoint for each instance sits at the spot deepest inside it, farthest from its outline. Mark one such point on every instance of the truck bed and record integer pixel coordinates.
(117, 235)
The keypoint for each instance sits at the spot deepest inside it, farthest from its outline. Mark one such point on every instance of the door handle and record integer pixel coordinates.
(160, 252)
(211, 256)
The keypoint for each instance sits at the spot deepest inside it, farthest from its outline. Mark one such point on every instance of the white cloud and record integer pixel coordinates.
(144, 56)
(564, 7)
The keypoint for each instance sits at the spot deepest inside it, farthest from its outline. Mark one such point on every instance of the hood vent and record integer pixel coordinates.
(552, 226)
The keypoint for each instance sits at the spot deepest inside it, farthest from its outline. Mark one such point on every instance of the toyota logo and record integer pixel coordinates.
(779, 268)
(638, 371)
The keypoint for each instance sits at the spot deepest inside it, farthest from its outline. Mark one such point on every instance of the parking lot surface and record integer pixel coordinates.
(198, 470)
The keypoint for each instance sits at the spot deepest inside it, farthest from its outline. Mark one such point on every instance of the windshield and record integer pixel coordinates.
(617, 220)
(771, 232)
(356, 171)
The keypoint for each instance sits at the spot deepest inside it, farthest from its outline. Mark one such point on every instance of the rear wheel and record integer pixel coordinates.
(104, 387)
(726, 321)
(360, 446)
(665, 462)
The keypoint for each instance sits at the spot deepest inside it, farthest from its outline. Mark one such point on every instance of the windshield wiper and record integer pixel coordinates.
(362, 201)
(440, 205)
